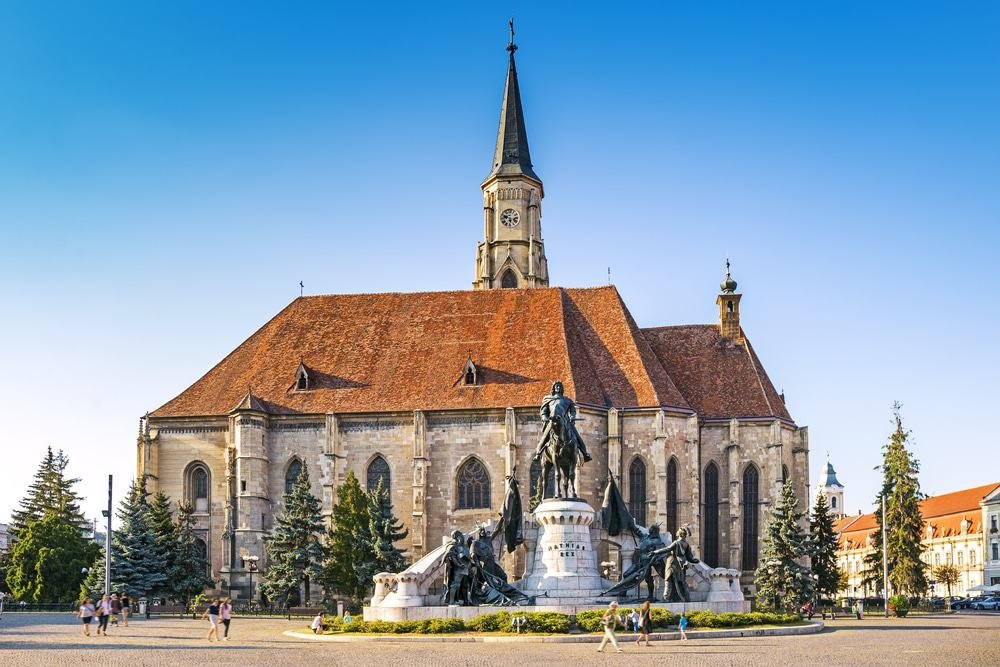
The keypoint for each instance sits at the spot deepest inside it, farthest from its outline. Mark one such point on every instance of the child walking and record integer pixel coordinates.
(683, 626)
(226, 611)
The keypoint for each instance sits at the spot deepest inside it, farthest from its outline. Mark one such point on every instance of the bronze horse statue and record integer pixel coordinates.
(560, 454)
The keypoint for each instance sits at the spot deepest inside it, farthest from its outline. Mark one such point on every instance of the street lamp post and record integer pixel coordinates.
(251, 568)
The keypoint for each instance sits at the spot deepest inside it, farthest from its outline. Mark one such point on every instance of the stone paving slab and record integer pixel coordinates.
(39, 640)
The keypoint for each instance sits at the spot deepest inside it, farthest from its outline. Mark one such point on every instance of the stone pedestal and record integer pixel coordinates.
(565, 562)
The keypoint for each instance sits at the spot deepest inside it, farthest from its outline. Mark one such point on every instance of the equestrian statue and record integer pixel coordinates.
(560, 443)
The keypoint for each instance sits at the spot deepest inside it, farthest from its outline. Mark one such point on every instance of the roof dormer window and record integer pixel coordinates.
(470, 374)
(301, 378)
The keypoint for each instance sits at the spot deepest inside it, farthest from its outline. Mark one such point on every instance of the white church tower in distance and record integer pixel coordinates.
(511, 253)
(831, 487)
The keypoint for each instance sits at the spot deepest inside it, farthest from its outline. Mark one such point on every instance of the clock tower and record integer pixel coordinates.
(511, 253)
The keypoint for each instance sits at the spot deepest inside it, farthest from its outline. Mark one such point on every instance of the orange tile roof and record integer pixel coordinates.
(406, 351)
(944, 512)
(720, 378)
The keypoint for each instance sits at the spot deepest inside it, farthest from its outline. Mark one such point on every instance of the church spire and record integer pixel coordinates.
(511, 157)
(511, 254)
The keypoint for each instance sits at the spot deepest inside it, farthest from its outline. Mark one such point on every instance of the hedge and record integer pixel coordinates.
(547, 622)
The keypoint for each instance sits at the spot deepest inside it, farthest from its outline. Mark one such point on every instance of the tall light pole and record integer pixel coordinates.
(107, 542)
(885, 563)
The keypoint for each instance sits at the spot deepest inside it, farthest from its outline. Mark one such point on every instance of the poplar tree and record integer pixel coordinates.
(823, 549)
(348, 542)
(294, 552)
(904, 524)
(138, 561)
(783, 584)
(385, 530)
(188, 573)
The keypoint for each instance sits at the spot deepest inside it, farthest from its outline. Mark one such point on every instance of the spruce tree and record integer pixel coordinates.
(904, 524)
(188, 573)
(137, 559)
(51, 492)
(48, 559)
(161, 522)
(93, 583)
(783, 584)
(348, 543)
(385, 530)
(294, 552)
(823, 549)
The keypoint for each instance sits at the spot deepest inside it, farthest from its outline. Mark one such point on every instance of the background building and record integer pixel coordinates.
(955, 532)
(437, 395)
(991, 537)
(831, 487)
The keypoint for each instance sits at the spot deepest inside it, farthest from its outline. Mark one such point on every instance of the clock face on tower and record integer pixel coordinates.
(509, 218)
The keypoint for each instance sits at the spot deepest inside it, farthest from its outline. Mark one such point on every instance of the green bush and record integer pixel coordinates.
(496, 622)
(662, 618)
(441, 626)
(590, 620)
(547, 622)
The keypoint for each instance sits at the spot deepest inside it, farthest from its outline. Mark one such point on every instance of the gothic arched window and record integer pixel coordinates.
(550, 480)
(198, 484)
(637, 490)
(711, 554)
(751, 499)
(378, 471)
(292, 474)
(473, 486)
(784, 474)
(508, 280)
(672, 496)
(201, 548)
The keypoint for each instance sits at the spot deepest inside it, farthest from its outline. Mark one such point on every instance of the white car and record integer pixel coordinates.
(990, 604)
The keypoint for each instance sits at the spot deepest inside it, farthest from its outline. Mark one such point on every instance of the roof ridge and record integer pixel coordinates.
(753, 364)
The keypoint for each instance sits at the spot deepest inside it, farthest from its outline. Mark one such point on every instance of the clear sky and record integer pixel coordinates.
(170, 171)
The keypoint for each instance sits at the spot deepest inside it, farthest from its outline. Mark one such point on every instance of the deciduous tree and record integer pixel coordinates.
(48, 559)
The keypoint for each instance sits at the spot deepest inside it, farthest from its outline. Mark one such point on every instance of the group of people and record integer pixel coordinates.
(641, 622)
(219, 610)
(106, 610)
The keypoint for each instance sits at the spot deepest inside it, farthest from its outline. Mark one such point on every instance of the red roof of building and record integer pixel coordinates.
(407, 351)
(720, 377)
(944, 512)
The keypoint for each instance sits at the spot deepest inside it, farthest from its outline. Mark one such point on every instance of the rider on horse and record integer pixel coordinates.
(560, 410)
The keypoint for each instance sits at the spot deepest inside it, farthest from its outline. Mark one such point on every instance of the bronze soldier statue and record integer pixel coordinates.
(559, 411)
(457, 572)
(679, 554)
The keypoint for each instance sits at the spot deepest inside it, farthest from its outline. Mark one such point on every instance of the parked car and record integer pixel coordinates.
(986, 604)
(963, 603)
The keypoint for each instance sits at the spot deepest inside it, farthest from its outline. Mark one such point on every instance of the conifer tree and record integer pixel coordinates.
(823, 549)
(294, 552)
(385, 530)
(188, 573)
(137, 559)
(904, 524)
(48, 559)
(51, 492)
(348, 542)
(161, 522)
(783, 584)
(93, 583)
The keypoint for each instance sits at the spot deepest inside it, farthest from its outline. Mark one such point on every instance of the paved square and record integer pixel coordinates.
(41, 640)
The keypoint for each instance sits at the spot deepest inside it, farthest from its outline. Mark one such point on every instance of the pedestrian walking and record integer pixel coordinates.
(212, 614)
(634, 620)
(226, 612)
(103, 611)
(86, 614)
(645, 623)
(610, 621)
(347, 617)
(116, 608)
(317, 624)
(683, 626)
(126, 608)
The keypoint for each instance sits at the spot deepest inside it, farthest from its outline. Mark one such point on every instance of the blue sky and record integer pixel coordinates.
(170, 171)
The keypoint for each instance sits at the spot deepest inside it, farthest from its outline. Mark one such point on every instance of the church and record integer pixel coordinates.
(436, 394)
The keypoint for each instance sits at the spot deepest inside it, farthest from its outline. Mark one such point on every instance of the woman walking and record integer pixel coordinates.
(86, 614)
(610, 621)
(103, 615)
(126, 608)
(212, 614)
(226, 611)
(645, 623)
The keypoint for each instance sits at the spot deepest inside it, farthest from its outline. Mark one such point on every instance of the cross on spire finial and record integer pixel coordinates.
(727, 266)
(512, 47)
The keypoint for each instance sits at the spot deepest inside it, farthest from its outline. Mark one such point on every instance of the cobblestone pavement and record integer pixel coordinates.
(51, 639)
